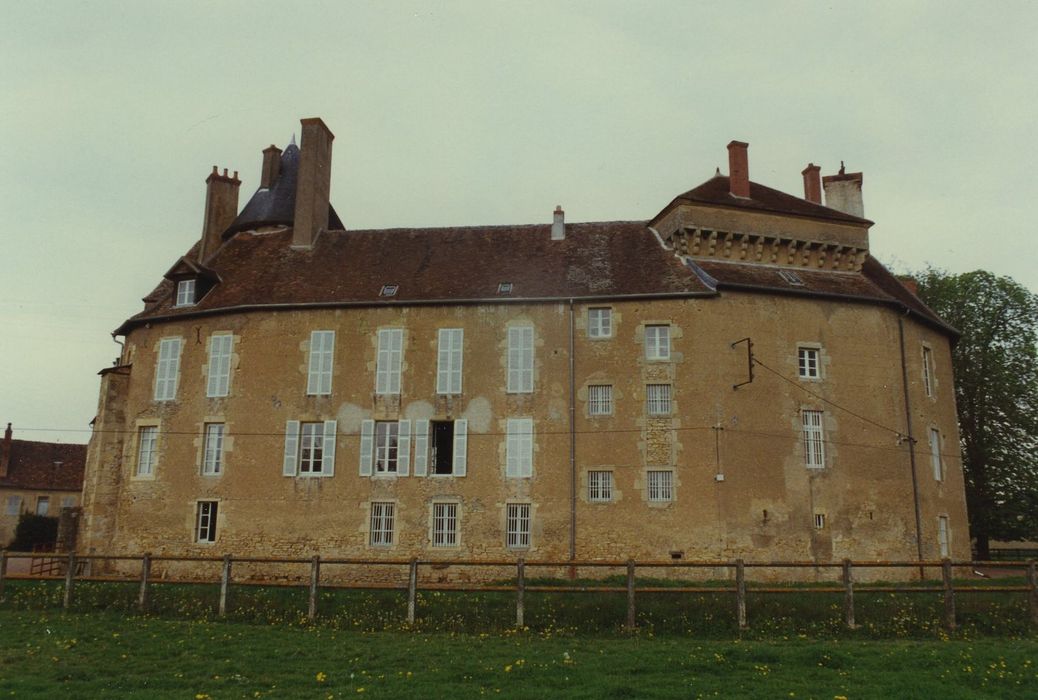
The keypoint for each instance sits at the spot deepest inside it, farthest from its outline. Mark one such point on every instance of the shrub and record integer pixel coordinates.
(34, 530)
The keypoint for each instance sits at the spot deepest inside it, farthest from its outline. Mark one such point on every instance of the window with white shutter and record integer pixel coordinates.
(814, 439)
(421, 447)
(449, 358)
(219, 382)
(167, 371)
(319, 374)
(519, 448)
(403, 462)
(367, 446)
(290, 465)
(387, 457)
(310, 448)
(390, 355)
(520, 360)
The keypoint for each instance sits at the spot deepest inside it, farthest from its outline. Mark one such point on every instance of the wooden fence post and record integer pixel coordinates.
(848, 596)
(740, 593)
(315, 576)
(1032, 579)
(3, 570)
(225, 583)
(412, 590)
(142, 598)
(69, 576)
(949, 595)
(520, 591)
(631, 623)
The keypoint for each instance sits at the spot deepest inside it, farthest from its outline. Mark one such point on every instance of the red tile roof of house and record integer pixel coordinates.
(33, 467)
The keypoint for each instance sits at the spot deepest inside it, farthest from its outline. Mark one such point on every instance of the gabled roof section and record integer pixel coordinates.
(716, 192)
(189, 267)
(33, 466)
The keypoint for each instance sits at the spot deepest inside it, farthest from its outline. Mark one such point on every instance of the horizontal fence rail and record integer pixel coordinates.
(73, 567)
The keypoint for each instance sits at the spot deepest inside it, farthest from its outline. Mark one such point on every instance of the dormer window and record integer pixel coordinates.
(504, 288)
(791, 278)
(186, 293)
(389, 290)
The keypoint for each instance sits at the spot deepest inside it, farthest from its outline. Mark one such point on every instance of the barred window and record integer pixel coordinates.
(814, 439)
(518, 529)
(661, 485)
(382, 516)
(600, 486)
(600, 400)
(657, 399)
(445, 525)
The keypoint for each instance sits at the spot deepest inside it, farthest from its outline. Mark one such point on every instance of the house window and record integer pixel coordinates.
(657, 399)
(219, 382)
(186, 293)
(381, 528)
(807, 363)
(600, 486)
(14, 505)
(445, 525)
(212, 453)
(814, 439)
(146, 439)
(661, 485)
(520, 360)
(387, 435)
(599, 322)
(319, 374)
(42, 505)
(935, 454)
(68, 502)
(205, 526)
(390, 354)
(819, 521)
(517, 531)
(600, 400)
(943, 536)
(440, 447)
(928, 370)
(443, 447)
(448, 363)
(310, 448)
(168, 369)
(519, 448)
(657, 342)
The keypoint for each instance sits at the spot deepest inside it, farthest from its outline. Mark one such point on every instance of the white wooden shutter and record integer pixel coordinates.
(367, 445)
(461, 446)
(328, 454)
(219, 364)
(443, 362)
(291, 448)
(526, 443)
(456, 356)
(403, 448)
(512, 449)
(421, 447)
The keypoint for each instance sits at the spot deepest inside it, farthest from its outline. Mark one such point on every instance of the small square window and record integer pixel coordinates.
(791, 278)
(518, 526)
(600, 400)
(205, 525)
(807, 363)
(657, 399)
(657, 342)
(600, 486)
(661, 485)
(504, 288)
(186, 293)
(599, 322)
(382, 517)
(819, 521)
(389, 290)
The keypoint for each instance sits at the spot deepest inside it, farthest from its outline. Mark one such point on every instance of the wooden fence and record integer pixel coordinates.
(73, 566)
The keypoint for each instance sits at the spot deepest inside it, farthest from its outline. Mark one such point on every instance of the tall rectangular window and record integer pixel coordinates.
(935, 454)
(819, 521)
(205, 524)
(381, 528)
(807, 363)
(928, 370)
(185, 293)
(600, 486)
(600, 400)
(445, 525)
(660, 485)
(517, 531)
(319, 374)
(212, 460)
(814, 439)
(219, 382)
(147, 436)
(448, 363)
(168, 369)
(599, 322)
(387, 434)
(657, 399)
(311, 448)
(657, 342)
(390, 356)
(14, 505)
(943, 536)
(42, 505)
(519, 448)
(520, 360)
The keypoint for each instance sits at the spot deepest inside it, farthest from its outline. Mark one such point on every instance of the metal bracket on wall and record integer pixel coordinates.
(749, 361)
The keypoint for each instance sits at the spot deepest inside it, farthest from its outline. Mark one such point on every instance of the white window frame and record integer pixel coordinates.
(451, 342)
(600, 322)
(519, 448)
(658, 400)
(389, 361)
(186, 293)
(382, 523)
(809, 362)
(212, 449)
(943, 536)
(928, 370)
(659, 485)
(147, 450)
(167, 369)
(600, 486)
(520, 360)
(387, 448)
(517, 526)
(218, 383)
(311, 448)
(310, 452)
(206, 513)
(319, 368)
(42, 505)
(657, 341)
(600, 399)
(935, 454)
(444, 527)
(14, 505)
(813, 423)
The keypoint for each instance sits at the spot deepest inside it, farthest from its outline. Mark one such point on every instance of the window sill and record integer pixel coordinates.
(313, 476)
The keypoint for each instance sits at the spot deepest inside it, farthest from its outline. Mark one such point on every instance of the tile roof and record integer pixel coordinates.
(32, 466)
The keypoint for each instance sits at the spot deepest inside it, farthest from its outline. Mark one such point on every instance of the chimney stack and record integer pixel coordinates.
(271, 166)
(843, 192)
(5, 453)
(221, 206)
(738, 169)
(558, 224)
(812, 183)
(313, 188)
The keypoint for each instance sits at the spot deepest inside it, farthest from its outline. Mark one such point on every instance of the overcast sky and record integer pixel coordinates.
(475, 112)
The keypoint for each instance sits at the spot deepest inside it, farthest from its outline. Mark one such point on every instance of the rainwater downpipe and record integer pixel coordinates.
(572, 441)
(911, 442)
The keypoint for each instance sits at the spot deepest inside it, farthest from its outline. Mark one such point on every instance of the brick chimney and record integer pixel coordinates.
(843, 192)
(271, 166)
(812, 183)
(558, 224)
(5, 453)
(313, 188)
(909, 283)
(221, 206)
(738, 169)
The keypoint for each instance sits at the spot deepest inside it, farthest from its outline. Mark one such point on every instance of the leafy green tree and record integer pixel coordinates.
(996, 388)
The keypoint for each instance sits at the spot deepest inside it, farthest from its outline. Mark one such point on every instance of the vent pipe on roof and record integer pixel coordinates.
(558, 224)
(221, 206)
(5, 454)
(313, 188)
(812, 183)
(271, 166)
(843, 192)
(738, 169)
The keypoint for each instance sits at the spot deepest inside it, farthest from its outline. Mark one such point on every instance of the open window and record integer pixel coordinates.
(441, 447)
